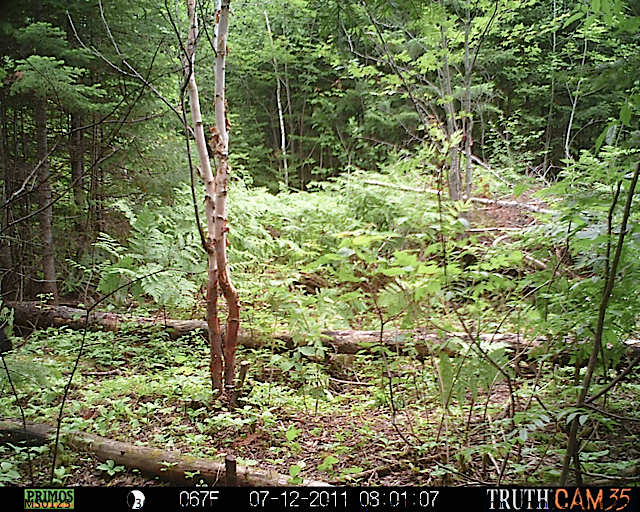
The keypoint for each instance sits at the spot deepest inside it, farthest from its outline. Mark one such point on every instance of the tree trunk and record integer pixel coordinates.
(455, 178)
(574, 104)
(283, 137)
(46, 215)
(95, 196)
(14, 205)
(7, 275)
(223, 169)
(215, 337)
(610, 281)
(547, 140)
(32, 315)
(468, 119)
(481, 200)
(76, 158)
(216, 190)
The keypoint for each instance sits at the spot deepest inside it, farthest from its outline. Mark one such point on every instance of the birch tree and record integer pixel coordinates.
(283, 137)
(223, 352)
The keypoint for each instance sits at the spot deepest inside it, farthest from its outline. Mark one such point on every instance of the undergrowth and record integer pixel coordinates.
(349, 419)
(451, 397)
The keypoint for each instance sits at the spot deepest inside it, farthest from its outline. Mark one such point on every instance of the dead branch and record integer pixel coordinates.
(481, 200)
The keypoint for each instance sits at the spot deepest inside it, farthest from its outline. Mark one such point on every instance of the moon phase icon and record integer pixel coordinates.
(135, 500)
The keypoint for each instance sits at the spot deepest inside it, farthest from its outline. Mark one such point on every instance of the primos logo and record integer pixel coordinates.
(48, 498)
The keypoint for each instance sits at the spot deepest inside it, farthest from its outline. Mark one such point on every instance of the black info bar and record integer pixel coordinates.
(610, 499)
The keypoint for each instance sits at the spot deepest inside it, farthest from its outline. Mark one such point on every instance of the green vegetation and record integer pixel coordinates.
(403, 122)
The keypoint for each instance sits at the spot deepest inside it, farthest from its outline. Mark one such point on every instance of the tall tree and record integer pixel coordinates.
(216, 190)
(283, 136)
(45, 78)
(46, 206)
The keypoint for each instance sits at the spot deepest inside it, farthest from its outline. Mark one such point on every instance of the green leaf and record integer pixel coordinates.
(392, 272)
(464, 223)
(625, 114)
(446, 374)
(347, 276)
(362, 240)
(404, 259)
(629, 25)
(589, 21)
(604, 135)
(573, 18)
(307, 351)
(328, 463)
(350, 471)
(571, 416)
(345, 252)
(519, 189)
(292, 433)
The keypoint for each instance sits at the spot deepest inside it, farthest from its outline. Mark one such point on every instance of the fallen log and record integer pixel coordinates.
(169, 466)
(421, 342)
(32, 315)
(29, 316)
(35, 315)
(481, 200)
(347, 341)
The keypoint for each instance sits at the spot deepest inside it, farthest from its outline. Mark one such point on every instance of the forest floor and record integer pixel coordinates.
(367, 444)
(370, 445)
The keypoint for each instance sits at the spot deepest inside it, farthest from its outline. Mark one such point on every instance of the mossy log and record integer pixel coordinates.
(169, 466)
